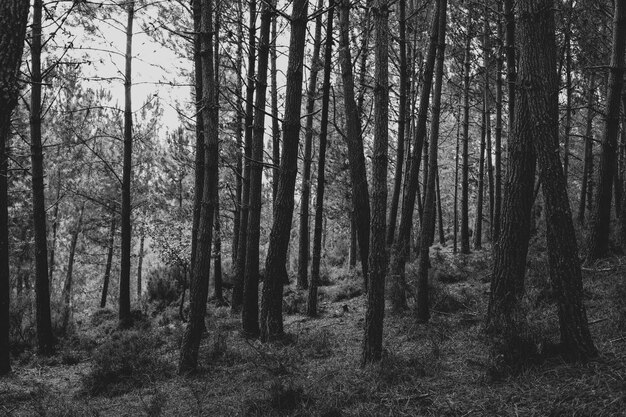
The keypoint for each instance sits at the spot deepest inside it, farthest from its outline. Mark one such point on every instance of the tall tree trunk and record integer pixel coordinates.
(140, 256)
(303, 243)
(373, 339)
(478, 224)
(598, 243)
(217, 254)
(250, 312)
(13, 19)
(124, 304)
(107, 267)
(511, 72)
(588, 155)
(487, 120)
(238, 139)
(67, 286)
(55, 221)
(353, 254)
(442, 237)
(311, 306)
(271, 303)
(465, 245)
(200, 279)
(274, 98)
(426, 228)
(402, 123)
(563, 257)
(455, 245)
(358, 175)
(401, 249)
(45, 338)
(497, 208)
(240, 269)
(568, 93)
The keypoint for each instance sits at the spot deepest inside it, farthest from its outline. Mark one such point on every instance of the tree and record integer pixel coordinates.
(598, 243)
(311, 306)
(69, 278)
(200, 279)
(271, 302)
(465, 246)
(109, 261)
(13, 18)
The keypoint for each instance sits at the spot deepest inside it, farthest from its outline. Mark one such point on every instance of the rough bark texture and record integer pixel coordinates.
(45, 338)
(304, 240)
(109, 262)
(271, 303)
(250, 311)
(375, 312)
(240, 268)
(428, 222)
(200, 278)
(497, 207)
(598, 243)
(13, 17)
(465, 245)
(311, 306)
(358, 175)
(400, 252)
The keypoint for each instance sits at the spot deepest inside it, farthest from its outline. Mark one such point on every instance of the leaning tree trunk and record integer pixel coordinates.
(401, 249)
(240, 268)
(465, 245)
(200, 279)
(303, 243)
(428, 222)
(45, 338)
(109, 263)
(598, 244)
(311, 306)
(13, 18)
(250, 311)
(69, 279)
(358, 176)
(373, 339)
(126, 225)
(563, 257)
(272, 298)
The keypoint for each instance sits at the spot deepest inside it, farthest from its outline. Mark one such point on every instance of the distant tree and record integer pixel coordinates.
(13, 18)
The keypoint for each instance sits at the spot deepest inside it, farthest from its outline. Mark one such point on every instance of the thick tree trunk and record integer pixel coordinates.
(13, 18)
(358, 175)
(311, 306)
(585, 188)
(465, 238)
(250, 311)
(45, 338)
(107, 267)
(598, 243)
(200, 279)
(353, 254)
(275, 273)
(304, 240)
(401, 249)
(240, 268)
(67, 286)
(126, 225)
(402, 123)
(373, 339)
(426, 228)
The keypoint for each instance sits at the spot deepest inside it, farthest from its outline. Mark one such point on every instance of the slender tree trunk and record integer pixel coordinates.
(442, 237)
(250, 312)
(303, 243)
(588, 155)
(373, 339)
(487, 110)
(238, 140)
(598, 243)
(107, 267)
(13, 19)
(358, 175)
(511, 72)
(465, 245)
(478, 225)
(140, 256)
(455, 245)
(311, 306)
(55, 221)
(126, 225)
(45, 338)
(401, 249)
(402, 123)
(67, 287)
(497, 208)
(274, 98)
(426, 228)
(217, 254)
(200, 279)
(568, 92)
(275, 273)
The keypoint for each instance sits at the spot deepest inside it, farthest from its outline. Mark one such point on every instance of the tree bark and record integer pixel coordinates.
(598, 243)
(442, 237)
(275, 123)
(200, 279)
(465, 245)
(275, 273)
(13, 19)
(217, 254)
(311, 306)
(238, 120)
(358, 175)
(588, 156)
(67, 287)
(140, 256)
(303, 243)
(107, 268)
(45, 338)
(497, 208)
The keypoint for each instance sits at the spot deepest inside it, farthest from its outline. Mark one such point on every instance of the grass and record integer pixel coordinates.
(437, 369)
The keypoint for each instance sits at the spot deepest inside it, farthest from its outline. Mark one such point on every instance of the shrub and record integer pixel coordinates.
(294, 302)
(21, 324)
(130, 360)
(164, 285)
(343, 291)
(103, 315)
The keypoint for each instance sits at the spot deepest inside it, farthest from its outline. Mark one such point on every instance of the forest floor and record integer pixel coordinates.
(441, 368)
